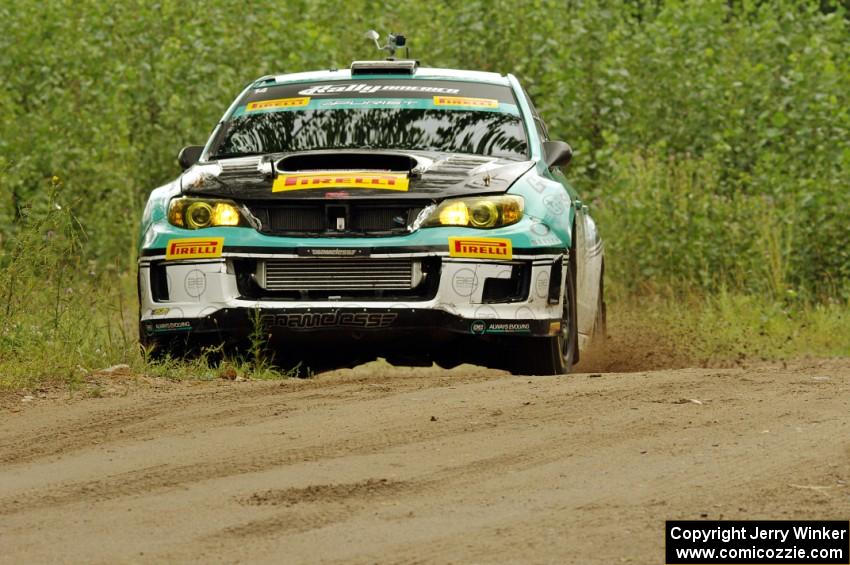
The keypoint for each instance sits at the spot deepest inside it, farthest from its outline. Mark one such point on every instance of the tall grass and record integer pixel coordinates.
(720, 329)
(61, 315)
(670, 228)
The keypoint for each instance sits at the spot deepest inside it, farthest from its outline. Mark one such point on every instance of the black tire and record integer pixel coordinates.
(552, 355)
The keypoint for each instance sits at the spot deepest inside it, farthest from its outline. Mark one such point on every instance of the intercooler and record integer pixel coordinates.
(348, 274)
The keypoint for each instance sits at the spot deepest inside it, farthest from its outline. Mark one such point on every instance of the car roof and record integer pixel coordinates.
(419, 73)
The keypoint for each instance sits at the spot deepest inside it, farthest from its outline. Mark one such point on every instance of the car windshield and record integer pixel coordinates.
(446, 116)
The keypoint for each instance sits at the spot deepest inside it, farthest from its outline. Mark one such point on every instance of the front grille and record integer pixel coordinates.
(375, 218)
(336, 219)
(296, 218)
(337, 278)
(339, 274)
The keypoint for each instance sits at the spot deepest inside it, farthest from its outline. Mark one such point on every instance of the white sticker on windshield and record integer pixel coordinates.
(371, 88)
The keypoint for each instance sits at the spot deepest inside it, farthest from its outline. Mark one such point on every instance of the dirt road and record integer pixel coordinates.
(418, 465)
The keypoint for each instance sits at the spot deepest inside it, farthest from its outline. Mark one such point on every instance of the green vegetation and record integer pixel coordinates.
(712, 139)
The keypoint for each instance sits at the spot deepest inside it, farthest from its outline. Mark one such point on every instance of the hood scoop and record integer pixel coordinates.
(340, 161)
(239, 167)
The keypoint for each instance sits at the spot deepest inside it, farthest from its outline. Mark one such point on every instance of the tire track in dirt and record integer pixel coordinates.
(261, 457)
(249, 460)
(129, 418)
(467, 468)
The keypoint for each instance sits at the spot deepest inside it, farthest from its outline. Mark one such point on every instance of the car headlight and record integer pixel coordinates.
(477, 212)
(197, 213)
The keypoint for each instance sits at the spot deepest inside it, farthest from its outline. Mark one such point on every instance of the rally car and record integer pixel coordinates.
(418, 214)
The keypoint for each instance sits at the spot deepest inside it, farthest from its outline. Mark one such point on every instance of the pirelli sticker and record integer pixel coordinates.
(194, 248)
(465, 102)
(286, 182)
(277, 103)
(480, 248)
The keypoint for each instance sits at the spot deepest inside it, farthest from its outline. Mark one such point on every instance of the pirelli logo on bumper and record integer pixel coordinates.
(286, 182)
(194, 248)
(480, 248)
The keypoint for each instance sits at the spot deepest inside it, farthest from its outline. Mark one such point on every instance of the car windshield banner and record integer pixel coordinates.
(419, 94)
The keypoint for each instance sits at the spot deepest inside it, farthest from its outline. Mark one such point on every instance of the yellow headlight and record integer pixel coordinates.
(484, 214)
(477, 212)
(198, 215)
(225, 215)
(175, 214)
(455, 214)
(512, 211)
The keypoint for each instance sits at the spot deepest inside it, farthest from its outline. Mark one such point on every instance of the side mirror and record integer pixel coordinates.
(189, 155)
(557, 153)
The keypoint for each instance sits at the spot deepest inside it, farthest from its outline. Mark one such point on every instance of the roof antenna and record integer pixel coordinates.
(394, 41)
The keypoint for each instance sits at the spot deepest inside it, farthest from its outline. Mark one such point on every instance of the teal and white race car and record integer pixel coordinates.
(416, 214)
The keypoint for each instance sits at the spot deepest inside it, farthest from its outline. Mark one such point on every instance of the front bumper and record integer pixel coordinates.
(208, 297)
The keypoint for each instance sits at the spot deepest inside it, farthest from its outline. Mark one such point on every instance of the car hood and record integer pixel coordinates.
(429, 175)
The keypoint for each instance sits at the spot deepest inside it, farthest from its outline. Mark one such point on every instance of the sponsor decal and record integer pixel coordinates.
(172, 326)
(541, 284)
(287, 182)
(465, 282)
(467, 102)
(277, 103)
(324, 89)
(480, 248)
(366, 102)
(539, 185)
(554, 328)
(509, 328)
(479, 327)
(335, 319)
(194, 248)
(331, 252)
(195, 283)
(546, 241)
(558, 202)
(160, 311)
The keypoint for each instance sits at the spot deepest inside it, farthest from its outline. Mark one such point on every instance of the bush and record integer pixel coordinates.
(756, 95)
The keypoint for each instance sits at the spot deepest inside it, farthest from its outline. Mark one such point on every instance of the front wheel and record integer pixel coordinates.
(551, 355)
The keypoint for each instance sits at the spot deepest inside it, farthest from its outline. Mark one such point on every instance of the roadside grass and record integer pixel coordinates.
(668, 330)
(63, 321)
(91, 333)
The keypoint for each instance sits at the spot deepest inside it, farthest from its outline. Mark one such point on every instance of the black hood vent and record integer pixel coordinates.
(346, 161)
